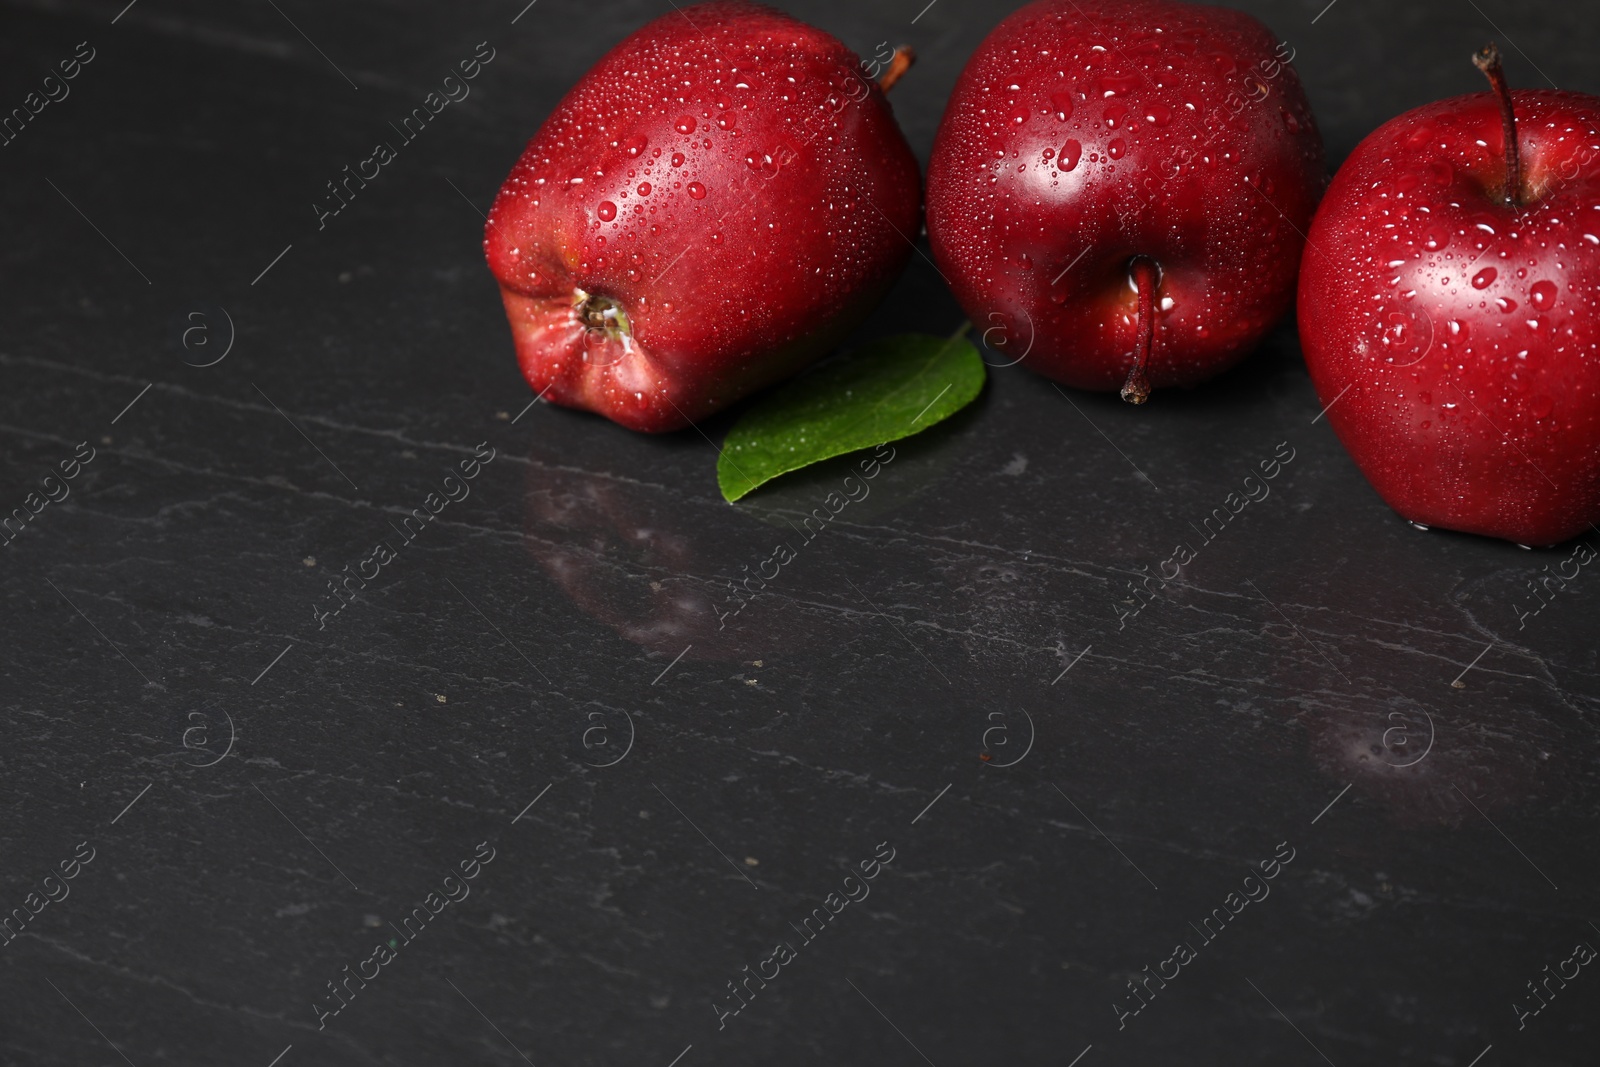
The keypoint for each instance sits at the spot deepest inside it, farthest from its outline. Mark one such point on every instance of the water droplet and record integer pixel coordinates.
(636, 145)
(644, 188)
(1019, 116)
(1157, 114)
(1406, 336)
(607, 211)
(1506, 304)
(1544, 295)
(1541, 406)
(677, 159)
(1394, 331)
(1436, 239)
(1484, 278)
(697, 191)
(1116, 148)
(1419, 136)
(1061, 104)
(685, 124)
(727, 120)
(1114, 115)
(1116, 84)
(716, 238)
(1070, 152)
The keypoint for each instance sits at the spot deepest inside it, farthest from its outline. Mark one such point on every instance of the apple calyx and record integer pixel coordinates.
(1144, 274)
(601, 314)
(899, 63)
(1488, 60)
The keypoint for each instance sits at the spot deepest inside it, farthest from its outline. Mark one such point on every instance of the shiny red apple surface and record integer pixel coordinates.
(1100, 153)
(714, 205)
(1456, 334)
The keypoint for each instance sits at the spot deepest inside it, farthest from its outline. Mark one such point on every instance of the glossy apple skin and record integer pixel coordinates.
(727, 177)
(1459, 337)
(1078, 130)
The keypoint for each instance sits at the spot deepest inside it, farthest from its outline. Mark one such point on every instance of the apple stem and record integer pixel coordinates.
(898, 65)
(1146, 274)
(1488, 61)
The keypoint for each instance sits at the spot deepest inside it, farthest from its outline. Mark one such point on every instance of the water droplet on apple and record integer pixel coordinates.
(1061, 104)
(697, 191)
(1116, 84)
(1157, 114)
(1436, 239)
(1541, 406)
(677, 159)
(636, 145)
(1544, 295)
(1070, 153)
(685, 124)
(1114, 114)
(1484, 278)
(1116, 148)
(1405, 335)
(727, 120)
(607, 211)
(1506, 304)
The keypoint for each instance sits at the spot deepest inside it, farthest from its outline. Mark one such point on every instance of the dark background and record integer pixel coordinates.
(1310, 648)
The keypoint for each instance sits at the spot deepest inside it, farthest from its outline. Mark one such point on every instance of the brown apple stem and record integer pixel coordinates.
(1488, 61)
(1146, 274)
(898, 65)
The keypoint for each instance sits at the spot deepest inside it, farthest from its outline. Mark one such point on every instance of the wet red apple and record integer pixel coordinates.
(1120, 188)
(717, 203)
(1450, 311)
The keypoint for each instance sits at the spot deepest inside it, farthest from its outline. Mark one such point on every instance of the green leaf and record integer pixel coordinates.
(886, 390)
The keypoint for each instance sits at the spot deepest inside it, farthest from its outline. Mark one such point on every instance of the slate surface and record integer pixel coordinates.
(262, 798)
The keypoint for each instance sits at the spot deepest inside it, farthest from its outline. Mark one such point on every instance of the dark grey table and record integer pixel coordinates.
(536, 692)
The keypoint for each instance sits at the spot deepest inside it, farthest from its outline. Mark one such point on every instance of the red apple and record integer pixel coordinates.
(1121, 186)
(1450, 311)
(717, 203)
